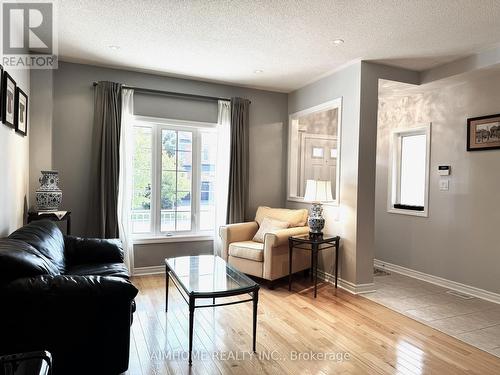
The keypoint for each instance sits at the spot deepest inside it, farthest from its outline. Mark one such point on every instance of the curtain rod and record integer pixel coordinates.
(172, 93)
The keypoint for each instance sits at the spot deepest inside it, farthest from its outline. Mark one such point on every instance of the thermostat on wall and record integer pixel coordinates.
(444, 170)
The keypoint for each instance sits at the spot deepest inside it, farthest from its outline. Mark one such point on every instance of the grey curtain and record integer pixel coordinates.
(238, 165)
(103, 216)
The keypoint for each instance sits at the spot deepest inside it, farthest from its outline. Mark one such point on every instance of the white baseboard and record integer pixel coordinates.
(347, 285)
(445, 283)
(154, 270)
(344, 284)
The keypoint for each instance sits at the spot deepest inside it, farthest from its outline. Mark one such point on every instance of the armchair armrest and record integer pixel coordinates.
(276, 249)
(280, 237)
(92, 250)
(235, 233)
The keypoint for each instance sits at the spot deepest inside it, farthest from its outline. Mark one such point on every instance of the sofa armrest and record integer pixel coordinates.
(280, 237)
(92, 250)
(64, 286)
(73, 317)
(235, 233)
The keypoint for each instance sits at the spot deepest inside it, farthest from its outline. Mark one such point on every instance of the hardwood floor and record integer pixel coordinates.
(337, 333)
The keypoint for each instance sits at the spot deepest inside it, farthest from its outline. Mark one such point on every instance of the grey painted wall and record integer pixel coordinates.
(459, 240)
(365, 236)
(64, 114)
(354, 218)
(152, 255)
(40, 146)
(14, 166)
(175, 108)
(340, 220)
(72, 129)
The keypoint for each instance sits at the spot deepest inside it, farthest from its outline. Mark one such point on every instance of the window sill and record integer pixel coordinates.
(408, 212)
(168, 239)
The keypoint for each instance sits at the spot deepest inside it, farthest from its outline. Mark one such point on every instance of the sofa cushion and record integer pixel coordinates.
(47, 238)
(101, 269)
(19, 259)
(247, 250)
(294, 218)
(268, 226)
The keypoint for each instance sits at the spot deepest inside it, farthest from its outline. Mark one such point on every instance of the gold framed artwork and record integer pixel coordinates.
(483, 133)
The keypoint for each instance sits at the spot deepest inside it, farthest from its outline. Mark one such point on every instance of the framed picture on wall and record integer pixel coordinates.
(1, 80)
(483, 133)
(21, 112)
(8, 99)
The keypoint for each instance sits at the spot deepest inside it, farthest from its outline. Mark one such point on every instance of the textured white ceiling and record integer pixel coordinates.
(290, 40)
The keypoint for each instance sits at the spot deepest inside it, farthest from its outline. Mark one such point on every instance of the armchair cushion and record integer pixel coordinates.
(247, 250)
(268, 226)
(235, 233)
(294, 218)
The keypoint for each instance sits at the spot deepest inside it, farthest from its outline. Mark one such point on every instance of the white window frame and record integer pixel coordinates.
(157, 124)
(395, 168)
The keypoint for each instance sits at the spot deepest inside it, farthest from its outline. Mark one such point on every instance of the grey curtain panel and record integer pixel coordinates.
(103, 217)
(238, 165)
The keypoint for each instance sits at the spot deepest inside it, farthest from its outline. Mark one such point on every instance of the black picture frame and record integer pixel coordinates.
(480, 141)
(1, 92)
(19, 116)
(6, 95)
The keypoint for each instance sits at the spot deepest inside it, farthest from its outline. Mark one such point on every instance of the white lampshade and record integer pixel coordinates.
(318, 191)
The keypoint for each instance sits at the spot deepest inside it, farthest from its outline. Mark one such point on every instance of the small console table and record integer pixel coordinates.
(52, 215)
(314, 243)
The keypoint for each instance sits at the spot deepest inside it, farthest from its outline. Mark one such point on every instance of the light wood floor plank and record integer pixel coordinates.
(375, 339)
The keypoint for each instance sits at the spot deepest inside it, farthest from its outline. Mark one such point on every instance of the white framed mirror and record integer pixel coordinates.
(314, 149)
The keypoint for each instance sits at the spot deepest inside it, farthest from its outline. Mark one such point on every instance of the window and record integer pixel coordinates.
(409, 174)
(174, 178)
(142, 180)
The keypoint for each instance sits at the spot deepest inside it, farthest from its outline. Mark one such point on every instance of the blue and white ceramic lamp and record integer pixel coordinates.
(317, 192)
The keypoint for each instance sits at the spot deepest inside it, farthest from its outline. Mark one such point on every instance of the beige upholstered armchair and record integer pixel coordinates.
(270, 259)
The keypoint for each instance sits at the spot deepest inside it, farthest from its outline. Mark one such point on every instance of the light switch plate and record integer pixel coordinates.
(444, 185)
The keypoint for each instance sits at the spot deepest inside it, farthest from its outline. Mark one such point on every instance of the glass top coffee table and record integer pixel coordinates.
(208, 276)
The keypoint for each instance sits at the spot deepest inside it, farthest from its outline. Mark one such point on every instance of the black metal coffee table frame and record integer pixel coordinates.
(190, 298)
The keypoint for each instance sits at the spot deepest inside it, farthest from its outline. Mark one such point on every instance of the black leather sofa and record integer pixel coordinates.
(68, 295)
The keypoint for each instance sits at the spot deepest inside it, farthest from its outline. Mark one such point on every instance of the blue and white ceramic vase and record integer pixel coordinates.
(316, 220)
(48, 196)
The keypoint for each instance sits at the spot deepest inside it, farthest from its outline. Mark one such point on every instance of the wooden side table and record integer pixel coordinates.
(314, 243)
(53, 216)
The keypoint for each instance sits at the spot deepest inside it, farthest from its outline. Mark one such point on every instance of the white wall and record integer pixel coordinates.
(14, 166)
(460, 239)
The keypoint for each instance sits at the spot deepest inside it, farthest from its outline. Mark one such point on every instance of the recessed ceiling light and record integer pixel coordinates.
(258, 71)
(338, 42)
(114, 47)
